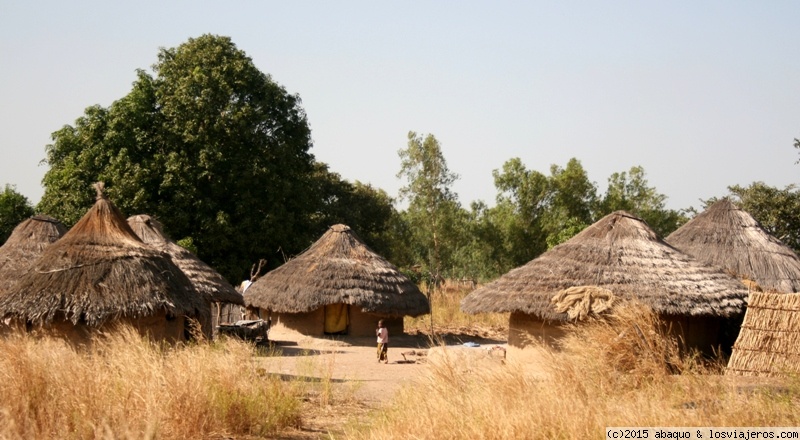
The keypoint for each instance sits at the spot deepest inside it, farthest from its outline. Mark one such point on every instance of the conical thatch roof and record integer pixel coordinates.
(338, 269)
(207, 281)
(25, 244)
(769, 341)
(98, 271)
(727, 237)
(619, 253)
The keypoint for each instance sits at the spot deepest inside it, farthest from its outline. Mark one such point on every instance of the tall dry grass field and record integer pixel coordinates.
(447, 314)
(128, 387)
(620, 372)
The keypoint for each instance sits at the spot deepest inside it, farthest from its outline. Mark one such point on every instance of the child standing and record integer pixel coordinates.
(383, 342)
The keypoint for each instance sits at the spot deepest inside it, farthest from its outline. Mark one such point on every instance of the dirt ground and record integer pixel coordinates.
(350, 364)
(360, 384)
(353, 362)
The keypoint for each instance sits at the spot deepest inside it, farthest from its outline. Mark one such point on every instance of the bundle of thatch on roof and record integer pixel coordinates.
(97, 272)
(619, 253)
(207, 281)
(769, 342)
(25, 244)
(338, 269)
(727, 237)
(580, 302)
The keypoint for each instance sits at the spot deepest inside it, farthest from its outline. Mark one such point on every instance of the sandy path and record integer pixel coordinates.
(350, 363)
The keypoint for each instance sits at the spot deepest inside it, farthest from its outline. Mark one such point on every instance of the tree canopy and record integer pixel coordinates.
(432, 203)
(630, 191)
(208, 144)
(537, 211)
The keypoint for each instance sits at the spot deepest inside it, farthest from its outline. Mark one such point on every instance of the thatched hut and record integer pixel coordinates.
(100, 273)
(728, 237)
(617, 256)
(25, 244)
(337, 286)
(212, 286)
(769, 342)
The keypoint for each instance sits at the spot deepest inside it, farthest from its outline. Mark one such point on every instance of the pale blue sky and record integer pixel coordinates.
(702, 94)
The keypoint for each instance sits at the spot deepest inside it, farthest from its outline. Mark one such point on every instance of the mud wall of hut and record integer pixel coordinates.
(158, 327)
(291, 325)
(524, 330)
(294, 324)
(365, 324)
(709, 335)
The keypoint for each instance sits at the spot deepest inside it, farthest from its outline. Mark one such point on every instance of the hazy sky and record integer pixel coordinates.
(701, 94)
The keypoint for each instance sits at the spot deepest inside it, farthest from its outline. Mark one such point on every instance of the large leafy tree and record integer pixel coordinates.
(209, 144)
(630, 191)
(14, 209)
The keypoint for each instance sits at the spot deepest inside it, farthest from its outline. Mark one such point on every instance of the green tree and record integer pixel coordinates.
(482, 253)
(572, 202)
(522, 200)
(432, 203)
(536, 211)
(630, 191)
(14, 209)
(210, 145)
(778, 210)
(399, 239)
(433, 209)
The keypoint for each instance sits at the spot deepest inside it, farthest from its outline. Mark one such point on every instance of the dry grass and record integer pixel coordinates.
(316, 383)
(620, 372)
(448, 317)
(127, 387)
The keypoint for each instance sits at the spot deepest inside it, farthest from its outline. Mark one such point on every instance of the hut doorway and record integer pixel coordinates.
(337, 319)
